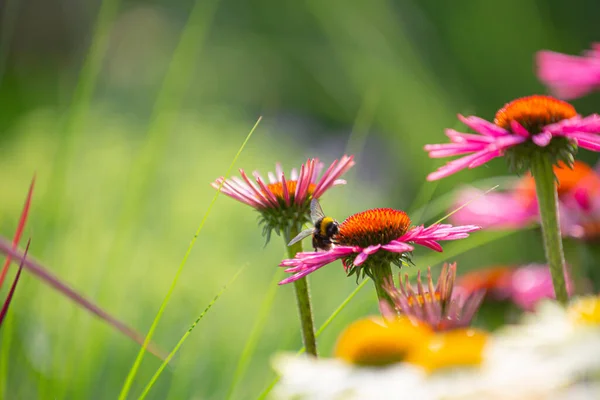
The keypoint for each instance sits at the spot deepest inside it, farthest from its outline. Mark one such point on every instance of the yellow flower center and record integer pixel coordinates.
(371, 227)
(585, 311)
(377, 342)
(460, 347)
(534, 112)
(277, 188)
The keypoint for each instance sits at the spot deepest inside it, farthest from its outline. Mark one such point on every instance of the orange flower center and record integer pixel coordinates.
(424, 298)
(460, 347)
(585, 311)
(371, 227)
(568, 179)
(375, 341)
(277, 188)
(534, 112)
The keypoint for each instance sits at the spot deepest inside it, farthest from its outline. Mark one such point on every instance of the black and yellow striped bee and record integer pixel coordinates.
(323, 231)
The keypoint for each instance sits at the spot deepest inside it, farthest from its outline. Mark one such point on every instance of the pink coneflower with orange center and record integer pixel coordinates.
(372, 237)
(284, 202)
(523, 286)
(436, 305)
(522, 127)
(369, 241)
(567, 76)
(535, 134)
(578, 201)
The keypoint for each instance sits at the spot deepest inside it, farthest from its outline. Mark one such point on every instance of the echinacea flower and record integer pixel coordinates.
(371, 239)
(523, 286)
(567, 76)
(522, 128)
(438, 306)
(578, 196)
(284, 202)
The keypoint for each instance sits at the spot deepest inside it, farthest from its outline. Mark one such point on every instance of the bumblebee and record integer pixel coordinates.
(323, 231)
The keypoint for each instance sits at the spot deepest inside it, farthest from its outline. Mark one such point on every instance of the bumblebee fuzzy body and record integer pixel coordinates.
(325, 228)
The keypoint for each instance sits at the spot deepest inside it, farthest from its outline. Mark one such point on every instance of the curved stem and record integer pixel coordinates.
(541, 169)
(382, 275)
(307, 326)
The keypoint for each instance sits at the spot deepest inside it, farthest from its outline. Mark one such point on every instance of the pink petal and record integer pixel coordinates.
(455, 166)
(362, 257)
(492, 210)
(398, 247)
(542, 139)
(332, 174)
(567, 76)
(485, 158)
(459, 137)
(518, 129)
(483, 127)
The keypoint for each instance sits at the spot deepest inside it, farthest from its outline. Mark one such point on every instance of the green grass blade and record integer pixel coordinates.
(80, 103)
(140, 356)
(185, 335)
(255, 334)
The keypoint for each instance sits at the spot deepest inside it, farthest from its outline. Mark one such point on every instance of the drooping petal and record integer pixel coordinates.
(362, 257)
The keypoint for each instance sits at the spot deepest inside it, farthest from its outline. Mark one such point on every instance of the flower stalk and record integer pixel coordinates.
(307, 326)
(541, 169)
(382, 277)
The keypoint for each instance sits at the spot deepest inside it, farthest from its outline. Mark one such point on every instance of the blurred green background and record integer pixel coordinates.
(127, 110)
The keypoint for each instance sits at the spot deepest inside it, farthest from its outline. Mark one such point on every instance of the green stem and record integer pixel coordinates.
(382, 275)
(541, 169)
(307, 326)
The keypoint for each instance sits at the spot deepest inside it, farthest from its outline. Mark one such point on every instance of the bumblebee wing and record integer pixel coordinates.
(316, 212)
(304, 234)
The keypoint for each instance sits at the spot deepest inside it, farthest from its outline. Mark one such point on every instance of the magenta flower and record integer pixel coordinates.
(579, 204)
(533, 283)
(522, 128)
(436, 305)
(285, 202)
(569, 77)
(371, 238)
(524, 286)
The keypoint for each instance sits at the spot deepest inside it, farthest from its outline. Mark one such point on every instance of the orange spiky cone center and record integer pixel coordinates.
(534, 112)
(372, 227)
(277, 188)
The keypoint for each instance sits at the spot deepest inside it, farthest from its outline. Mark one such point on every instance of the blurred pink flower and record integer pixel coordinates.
(526, 125)
(436, 305)
(579, 204)
(378, 235)
(524, 286)
(569, 77)
(284, 203)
